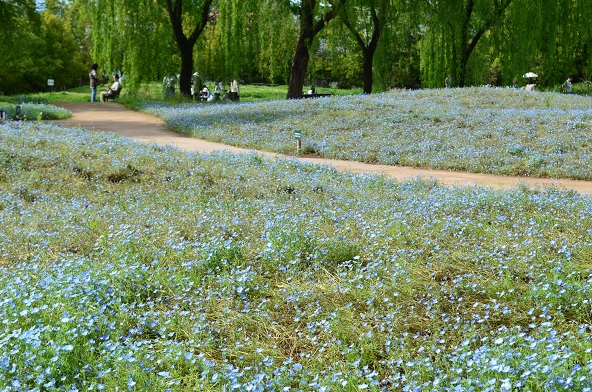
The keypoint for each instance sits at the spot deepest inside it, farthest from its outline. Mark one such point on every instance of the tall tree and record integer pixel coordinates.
(202, 12)
(455, 28)
(396, 63)
(551, 38)
(12, 12)
(314, 16)
(136, 35)
(365, 19)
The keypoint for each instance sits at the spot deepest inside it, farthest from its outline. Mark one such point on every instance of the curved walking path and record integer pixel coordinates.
(113, 117)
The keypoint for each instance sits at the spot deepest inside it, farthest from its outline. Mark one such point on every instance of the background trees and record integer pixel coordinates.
(496, 41)
(377, 44)
(365, 20)
(147, 39)
(36, 46)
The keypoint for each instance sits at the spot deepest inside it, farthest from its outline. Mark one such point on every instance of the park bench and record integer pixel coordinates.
(315, 95)
(113, 96)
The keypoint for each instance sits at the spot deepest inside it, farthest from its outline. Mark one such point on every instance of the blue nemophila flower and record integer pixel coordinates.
(410, 128)
(247, 274)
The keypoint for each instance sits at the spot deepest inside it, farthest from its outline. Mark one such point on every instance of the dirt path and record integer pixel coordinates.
(113, 117)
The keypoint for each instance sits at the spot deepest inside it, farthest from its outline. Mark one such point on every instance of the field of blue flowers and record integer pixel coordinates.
(143, 268)
(481, 130)
(33, 111)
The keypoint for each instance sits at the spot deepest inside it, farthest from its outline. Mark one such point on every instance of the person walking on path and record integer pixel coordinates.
(94, 82)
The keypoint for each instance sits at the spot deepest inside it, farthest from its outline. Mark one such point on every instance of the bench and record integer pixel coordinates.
(315, 95)
(114, 95)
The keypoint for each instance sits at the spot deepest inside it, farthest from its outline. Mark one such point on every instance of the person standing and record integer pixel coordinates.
(234, 93)
(218, 90)
(168, 84)
(196, 86)
(448, 81)
(566, 86)
(94, 82)
(113, 90)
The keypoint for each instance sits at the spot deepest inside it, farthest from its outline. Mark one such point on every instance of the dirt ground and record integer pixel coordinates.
(113, 117)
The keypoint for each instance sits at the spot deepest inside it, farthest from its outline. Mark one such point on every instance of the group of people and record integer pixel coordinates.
(566, 87)
(112, 91)
(201, 92)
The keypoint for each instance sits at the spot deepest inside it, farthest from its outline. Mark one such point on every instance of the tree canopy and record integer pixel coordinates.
(377, 44)
(37, 46)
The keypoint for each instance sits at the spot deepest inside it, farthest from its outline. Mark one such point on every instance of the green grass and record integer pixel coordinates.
(139, 267)
(78, 94)
(153, 92)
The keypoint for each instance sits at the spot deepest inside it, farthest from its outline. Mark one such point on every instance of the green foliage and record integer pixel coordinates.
(421, 42)
(199, 273)
(397, 56)
(42, 47)
(549, 38)
(34, 111)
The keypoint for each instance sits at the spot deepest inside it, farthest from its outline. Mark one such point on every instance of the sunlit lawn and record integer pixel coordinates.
(153, 92)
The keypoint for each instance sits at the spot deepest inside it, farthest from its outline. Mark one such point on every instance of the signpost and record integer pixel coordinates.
(50, 83)
(298, 137)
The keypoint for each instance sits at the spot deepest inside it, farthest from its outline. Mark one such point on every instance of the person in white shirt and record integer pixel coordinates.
(113, 90)
(234, 94)
(205, 94)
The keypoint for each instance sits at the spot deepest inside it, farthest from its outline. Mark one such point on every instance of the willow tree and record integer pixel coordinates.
(253, 45)
(554, 39)
(277, 39)
(136, 35)
(397, 59)
(314, 16)
(365, 20)
(454, 29)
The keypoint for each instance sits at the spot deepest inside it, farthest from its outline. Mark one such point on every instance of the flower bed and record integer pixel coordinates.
(481, 130)
(146, 268)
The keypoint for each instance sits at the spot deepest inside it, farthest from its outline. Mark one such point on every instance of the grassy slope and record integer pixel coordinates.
(141, 267)
(483, 130)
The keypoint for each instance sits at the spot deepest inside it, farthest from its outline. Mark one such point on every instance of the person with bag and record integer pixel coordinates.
(94, 82)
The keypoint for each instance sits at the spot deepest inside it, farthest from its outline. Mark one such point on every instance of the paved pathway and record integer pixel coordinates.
(113, 117)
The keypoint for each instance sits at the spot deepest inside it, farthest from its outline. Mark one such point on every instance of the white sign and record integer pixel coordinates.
(50, 82)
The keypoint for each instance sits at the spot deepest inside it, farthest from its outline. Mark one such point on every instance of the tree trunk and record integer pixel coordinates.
(186, 70)
(368, 50)
(302, 55)
(185, 44)
(470, 44)
(298, 72)
(368, 76)
(369, 53)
